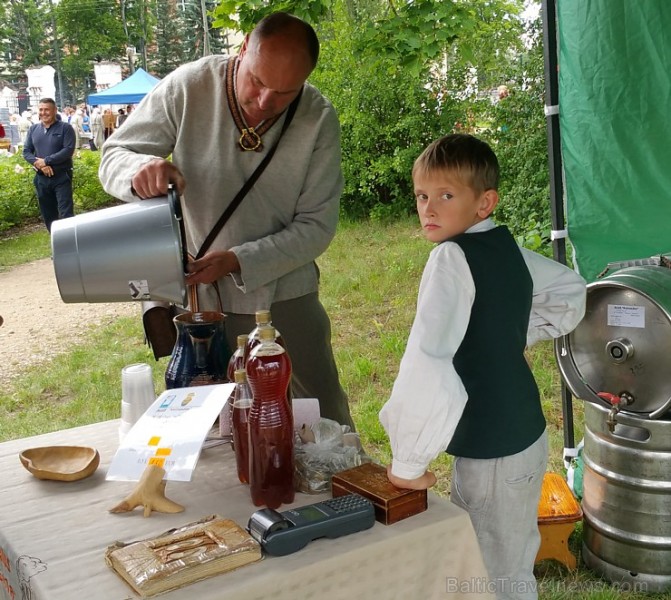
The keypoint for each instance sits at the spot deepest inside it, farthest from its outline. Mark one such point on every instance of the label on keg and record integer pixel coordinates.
(139, 289)
(621, 315)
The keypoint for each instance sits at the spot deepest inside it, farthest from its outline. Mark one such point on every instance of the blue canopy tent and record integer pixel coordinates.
(129, 91)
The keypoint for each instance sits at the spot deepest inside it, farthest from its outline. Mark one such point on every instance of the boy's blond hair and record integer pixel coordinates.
(473, 161)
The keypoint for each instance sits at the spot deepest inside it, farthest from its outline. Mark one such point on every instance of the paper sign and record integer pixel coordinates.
(620, 315)
(170, 434)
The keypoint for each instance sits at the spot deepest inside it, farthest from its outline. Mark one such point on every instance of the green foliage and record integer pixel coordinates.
(417, 32)
(23, 36)
(242, 15)
(385, 72)
(190, 21)
(169, 50)
(18, 201)
(87, 31)
(387, 115)
(518, 132)
(86, 188)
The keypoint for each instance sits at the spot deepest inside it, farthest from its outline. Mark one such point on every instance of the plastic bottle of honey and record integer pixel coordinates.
(242, 404)
(262, 322)
(271, 430)
(237, 360)
(253, 339)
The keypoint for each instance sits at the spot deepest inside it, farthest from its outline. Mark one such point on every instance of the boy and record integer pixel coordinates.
(464, 384)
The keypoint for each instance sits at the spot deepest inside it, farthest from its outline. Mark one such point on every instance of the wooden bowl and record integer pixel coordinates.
(61, 463)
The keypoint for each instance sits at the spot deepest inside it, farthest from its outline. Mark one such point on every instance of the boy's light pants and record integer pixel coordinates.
(501, 496)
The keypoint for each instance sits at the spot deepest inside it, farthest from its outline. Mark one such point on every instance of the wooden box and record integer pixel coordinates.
(370, 480)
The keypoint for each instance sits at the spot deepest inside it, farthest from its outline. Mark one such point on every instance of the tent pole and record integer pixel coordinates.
(549, 15)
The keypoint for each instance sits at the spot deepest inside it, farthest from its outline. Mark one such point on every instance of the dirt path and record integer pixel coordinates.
(37, 323)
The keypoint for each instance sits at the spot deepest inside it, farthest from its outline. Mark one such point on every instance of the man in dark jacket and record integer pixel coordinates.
(49, 147)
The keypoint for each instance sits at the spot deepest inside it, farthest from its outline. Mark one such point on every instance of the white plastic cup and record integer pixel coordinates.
(137, 394)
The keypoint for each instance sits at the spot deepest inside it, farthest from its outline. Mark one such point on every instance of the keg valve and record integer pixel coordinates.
(616, 404)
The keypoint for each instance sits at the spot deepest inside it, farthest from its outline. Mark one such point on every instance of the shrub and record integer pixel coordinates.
(18, 200)
(518, 133)
(87, 191)
(387, 115)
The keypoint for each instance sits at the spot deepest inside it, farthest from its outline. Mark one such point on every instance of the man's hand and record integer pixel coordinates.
(213, 266)
(42, 166)
(153, 178)
(421, 483)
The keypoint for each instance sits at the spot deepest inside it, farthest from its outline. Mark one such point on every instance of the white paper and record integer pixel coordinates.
(620, 315)
(170, 434)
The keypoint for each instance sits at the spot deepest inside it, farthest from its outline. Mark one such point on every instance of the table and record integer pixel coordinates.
(53, 536)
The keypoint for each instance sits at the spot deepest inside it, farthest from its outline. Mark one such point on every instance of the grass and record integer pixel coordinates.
(21, 246)
(370, 276)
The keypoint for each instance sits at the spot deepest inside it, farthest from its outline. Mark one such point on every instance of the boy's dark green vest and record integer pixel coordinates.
(503, 414)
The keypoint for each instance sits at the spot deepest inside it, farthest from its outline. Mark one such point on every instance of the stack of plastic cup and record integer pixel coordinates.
(137, 395)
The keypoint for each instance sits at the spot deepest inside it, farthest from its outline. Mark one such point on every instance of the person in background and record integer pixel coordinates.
(109, 123)
(86, 119)
(13, 133)
(24, 126)
(464, 385)
(77, 122)
(264, 258)
(122, 116)
(49, 147)
(97, 130)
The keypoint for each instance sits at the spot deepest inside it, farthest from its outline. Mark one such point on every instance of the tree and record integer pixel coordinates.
(518, 131)
(192, 32)
(24, 34)
(387, 115)
(87, 30)
(397, 73)
(169, 49)
(99, 30)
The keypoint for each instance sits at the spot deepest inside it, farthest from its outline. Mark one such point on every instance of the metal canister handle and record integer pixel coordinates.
(176, 207)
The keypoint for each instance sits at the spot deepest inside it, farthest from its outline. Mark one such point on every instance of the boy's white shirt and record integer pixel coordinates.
(428, 397)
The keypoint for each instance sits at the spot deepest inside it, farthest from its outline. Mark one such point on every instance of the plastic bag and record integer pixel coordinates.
(324, 449)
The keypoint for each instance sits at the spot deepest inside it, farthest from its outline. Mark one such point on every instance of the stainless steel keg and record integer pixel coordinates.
(617, 360)
(622, 345)
(627, 499)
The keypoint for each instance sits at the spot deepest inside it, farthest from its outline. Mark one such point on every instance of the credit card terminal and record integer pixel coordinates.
(281, 533)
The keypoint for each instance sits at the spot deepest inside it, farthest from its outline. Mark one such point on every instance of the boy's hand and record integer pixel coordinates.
(420, 483)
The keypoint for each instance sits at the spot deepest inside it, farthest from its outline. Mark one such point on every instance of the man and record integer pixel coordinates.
(121, 118)
(49, 147)
(218, 117)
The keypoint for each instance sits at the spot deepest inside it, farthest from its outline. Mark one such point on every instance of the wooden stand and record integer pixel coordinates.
(558, 511)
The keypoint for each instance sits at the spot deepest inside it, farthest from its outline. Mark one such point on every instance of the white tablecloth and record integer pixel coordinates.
(53, 536)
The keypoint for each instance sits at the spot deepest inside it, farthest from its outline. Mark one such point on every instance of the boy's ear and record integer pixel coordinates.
(488, 202)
